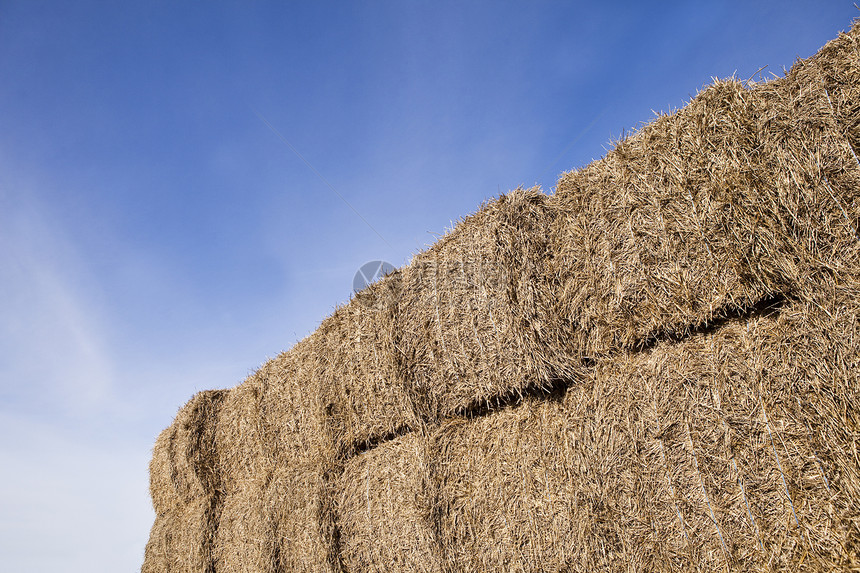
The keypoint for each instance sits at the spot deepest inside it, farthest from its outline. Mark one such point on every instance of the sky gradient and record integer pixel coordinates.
(187, 190)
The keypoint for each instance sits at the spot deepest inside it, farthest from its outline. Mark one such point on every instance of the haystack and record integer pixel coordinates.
(653, 369)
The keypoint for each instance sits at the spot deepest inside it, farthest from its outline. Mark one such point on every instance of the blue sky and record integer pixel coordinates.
(157, 237)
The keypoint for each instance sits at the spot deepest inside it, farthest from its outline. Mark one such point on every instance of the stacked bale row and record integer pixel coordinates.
(728, 450)
(185, 485)
(654, 369)
(272, 453)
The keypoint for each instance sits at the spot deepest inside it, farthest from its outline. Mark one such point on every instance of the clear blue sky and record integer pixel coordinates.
(158, 238)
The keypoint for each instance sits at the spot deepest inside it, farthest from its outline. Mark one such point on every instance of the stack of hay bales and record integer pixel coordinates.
(654, 369)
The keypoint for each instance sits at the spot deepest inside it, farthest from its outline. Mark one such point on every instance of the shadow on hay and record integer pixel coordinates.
(555, 389)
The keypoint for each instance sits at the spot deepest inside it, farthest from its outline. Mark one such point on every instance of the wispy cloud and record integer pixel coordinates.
(52, 343)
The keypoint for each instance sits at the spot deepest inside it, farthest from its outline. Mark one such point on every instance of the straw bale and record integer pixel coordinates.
(384, 510)
(468, 325)
(246, 537)
(672, 458)
(184, 462)
(362, 388)
(245, 540)
(267, 442)
(179, 540)
(291, 407)
(165, 482)
(240, 436)
(741, 195)
(813, 173)
(529, 489)
(297, 495)
(807, 367)
(648, 238)
(300, 504)
(838, 67)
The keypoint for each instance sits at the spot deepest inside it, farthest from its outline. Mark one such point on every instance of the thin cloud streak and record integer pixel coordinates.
(52, 335)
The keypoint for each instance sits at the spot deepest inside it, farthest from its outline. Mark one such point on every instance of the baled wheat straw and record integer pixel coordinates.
(655, 369)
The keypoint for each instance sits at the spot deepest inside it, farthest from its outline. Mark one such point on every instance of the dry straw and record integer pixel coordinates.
(469, 323)
(384, 505)
(363, 393)
(667, 459)
(184, 462)
(739, 196)
(295, 496)
(185, 483)
(654, 369)
(180, 540)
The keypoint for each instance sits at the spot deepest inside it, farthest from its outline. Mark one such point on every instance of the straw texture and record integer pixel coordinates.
(384, 508)
(686, 456)
(365, 397)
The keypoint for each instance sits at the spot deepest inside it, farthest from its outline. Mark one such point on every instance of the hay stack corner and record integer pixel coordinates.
(653, 369)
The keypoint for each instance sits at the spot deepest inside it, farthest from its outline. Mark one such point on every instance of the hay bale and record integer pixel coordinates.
(297, 436)
(384, 510)
(468, 326)
(837, 65)
(246, 540)
(741, 195)
(274, 449)
(299, 505)
(185, 484)
(294, 425)
(500, 504)
(240, 437)
(807, 366)
(664, 459)
(245, 537)
(362, 386)
(184, 464)
(179, 540)
(645, 237)
(278, 448)
(813, 174)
